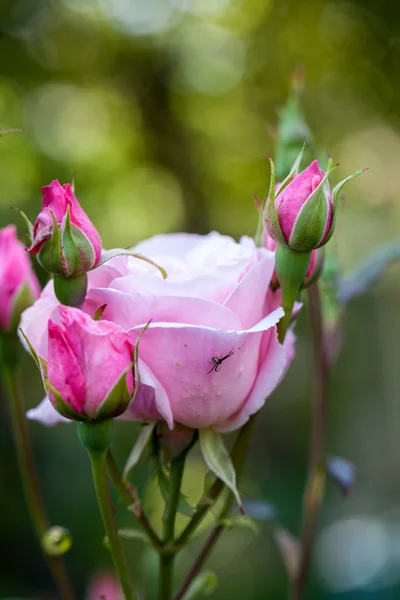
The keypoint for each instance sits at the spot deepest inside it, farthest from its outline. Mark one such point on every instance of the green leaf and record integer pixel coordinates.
(107, 255)
(128, 534)
(241, 521)
(217, 459)
(143, 439)
(204, 584)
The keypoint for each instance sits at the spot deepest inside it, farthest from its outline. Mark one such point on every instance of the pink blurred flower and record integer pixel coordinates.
(216, 301)
(105, 585)
(19, 286)
(64, 239)
(86, 360)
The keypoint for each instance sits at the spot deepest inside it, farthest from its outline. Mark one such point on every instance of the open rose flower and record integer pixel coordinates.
(18, 284)
(210, 355)
(65, 241)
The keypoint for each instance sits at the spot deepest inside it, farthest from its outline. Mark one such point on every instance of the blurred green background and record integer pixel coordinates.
(164, 108)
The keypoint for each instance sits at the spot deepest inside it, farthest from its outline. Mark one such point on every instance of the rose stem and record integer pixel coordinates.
(314, 488)
(98, 462)
(26, 464)
(128, 496)
(238, 455)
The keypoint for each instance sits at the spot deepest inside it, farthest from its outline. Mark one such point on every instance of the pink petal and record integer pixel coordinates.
(46, 414)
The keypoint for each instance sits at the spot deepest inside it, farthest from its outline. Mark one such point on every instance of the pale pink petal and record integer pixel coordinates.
(46, 414)
(151, 401)
(180, 356)
(276, 361)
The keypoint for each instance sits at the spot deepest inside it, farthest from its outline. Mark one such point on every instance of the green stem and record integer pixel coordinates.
(28, 474)
(98, 461)
(238, 456)
(129, 497)
(313, 494)
(168, 555)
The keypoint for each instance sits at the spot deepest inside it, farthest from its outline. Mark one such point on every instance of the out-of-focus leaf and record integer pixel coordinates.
(203, 585)
(260, 510)
(217, 459)
(242, 521)
(142, 440)
(342, 471)
(290, 550)
(128, 534)
(368, 274)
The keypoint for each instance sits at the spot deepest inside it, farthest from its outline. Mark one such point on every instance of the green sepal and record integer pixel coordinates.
(107, 255)
(41, 363)
(311, 220)
(218, 459)
(27, 222)
(117, 400)
(335, 200)
(204, 584)
(95, 435)
(77, 251)
(99, 312)
(49, 255)
(270, 212)
(22, 300)
(293, 171)
(63, 407)
(142, 440)
(291, 268)
(71, 291)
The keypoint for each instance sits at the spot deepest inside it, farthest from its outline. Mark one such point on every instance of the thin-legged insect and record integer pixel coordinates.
(218, 361)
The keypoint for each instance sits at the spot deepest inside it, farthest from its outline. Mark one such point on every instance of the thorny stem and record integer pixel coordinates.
(238, 455)
(129, 497)
(28, 473)
(315, 484)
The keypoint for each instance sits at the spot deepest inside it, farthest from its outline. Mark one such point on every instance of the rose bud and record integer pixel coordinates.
(301, 215)
(89, 368)
(65, 242)
(19, 287)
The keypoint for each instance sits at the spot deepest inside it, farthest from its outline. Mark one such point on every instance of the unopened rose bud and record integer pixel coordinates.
(301, 215)
(65, 242)
(19, 287)
(90, 367)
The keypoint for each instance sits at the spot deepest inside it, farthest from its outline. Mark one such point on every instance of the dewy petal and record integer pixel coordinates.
(200, 397)
(46, 414)
(273, 367)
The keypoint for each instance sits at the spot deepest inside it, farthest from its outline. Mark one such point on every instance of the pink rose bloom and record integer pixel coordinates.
(302, 222)
(105, 585)
(73, 246)
(210, 356)
(85, 361)
(19, 286)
